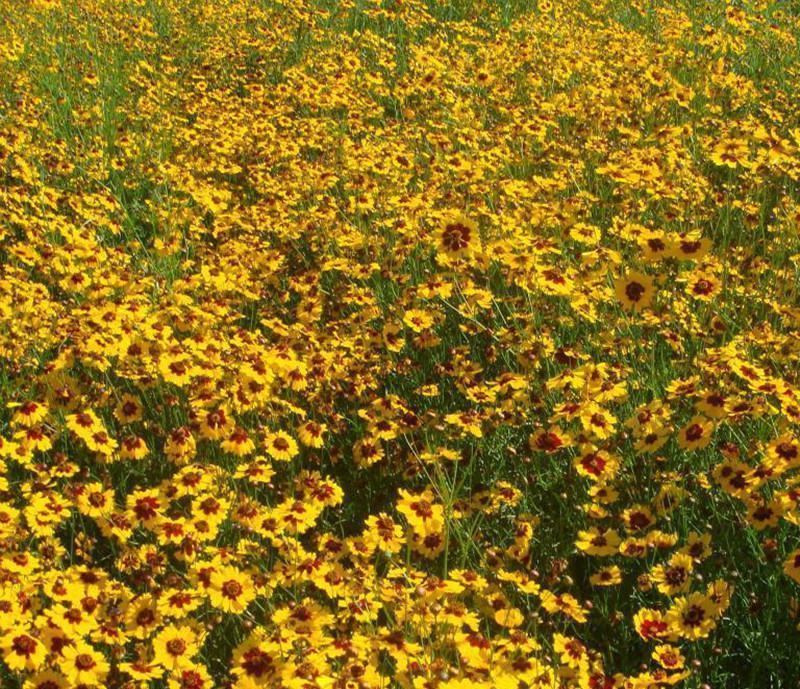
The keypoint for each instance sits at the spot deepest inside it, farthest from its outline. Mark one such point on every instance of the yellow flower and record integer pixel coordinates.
(238, 443)
(22, 651)
(791, 566)
(95, 502)
(133, 447)
(47, 679)
(281, 446)
(383, 533)
(607, 576)
(231, 590)
(312, 434)
(474, 648)
(730, 152)
(421, 512)
(458, 236)
(595, 542)
(29, 413)
(564, 603)
(84, 424)
(669, 657)
(634, 291)
(128, 409)
(430, 542)
(175, 646)
(692, 617)
(418, 320)
(82, 664)
(674, 577)
(696, 434)
(572, 652)
(650, 624)
(194, 677)
(256, 662)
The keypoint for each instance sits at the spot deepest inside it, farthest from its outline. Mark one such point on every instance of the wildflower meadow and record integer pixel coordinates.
(399, 344)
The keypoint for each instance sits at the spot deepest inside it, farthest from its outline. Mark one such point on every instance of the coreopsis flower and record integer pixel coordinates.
(231, 590)
(783, 453)
(475, 649)
(698, 546)
(458, 236)
(564, 603)
(32, 440)
(734, 476)
(116, 525)
(691, 247)
(762, 514)
(296, 516)
(791, 565)
(83, 665)
(596, 542)
(256, 661)
(731, 152)
(421, 511)
(216, 424)
(133, 447)
(142, 670)
(468, 423)
(194, 677)
(429, 543)
(102, 443)
(456, 411)
(634, 291)
(84, 424)
(142, 617)
(47, 679)
(383, 533)
(651, 624)
(418, 320)
(145, 507)
(30, 413)
(696, 434)
(258, 470)
(675, 576)
(367, 451)
(712, 404)
(175, 646)
(177, 603)
(312, 434)
(669, 657)
(281, 446)
(181, 445)
(572, 652)
(719, 591)
(95, 502)
(692, 616)
(176, 369)
(303, 619)
(22, 651)
(393, 337)
(550, 440)
(607, 576)
(597, 421)
(703, 286)
(238, 443)
(128, 409)
(637, 518)
(596, 464)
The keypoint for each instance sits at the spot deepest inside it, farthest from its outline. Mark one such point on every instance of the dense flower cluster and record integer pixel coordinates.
(364, 344)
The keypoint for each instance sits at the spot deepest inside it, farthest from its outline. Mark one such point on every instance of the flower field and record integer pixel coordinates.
(418, 344)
